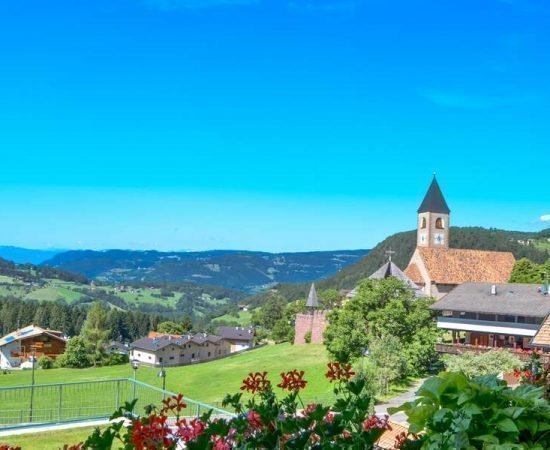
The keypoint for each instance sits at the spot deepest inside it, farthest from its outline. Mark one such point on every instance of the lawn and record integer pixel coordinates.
(243, 320)
(207, 382)
(50, 440)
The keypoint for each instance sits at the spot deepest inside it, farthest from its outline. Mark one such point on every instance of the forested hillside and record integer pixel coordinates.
(241, 270)
(403, 244)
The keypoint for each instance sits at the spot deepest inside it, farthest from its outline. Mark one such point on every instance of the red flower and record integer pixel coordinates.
(337, 371)
(292, 381)
(254, 419)
(376, 422)
(190, 431)
(256, 382)
(174, 404)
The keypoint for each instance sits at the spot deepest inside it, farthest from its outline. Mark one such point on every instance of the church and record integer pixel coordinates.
(438, 269)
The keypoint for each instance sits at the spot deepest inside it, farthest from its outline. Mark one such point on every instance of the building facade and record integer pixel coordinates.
(17, 348)
(170, 350)
(505, 315)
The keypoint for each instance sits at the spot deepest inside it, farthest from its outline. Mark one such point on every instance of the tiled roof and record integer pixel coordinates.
(236, 333)
(456, 266)
(510, 299)
(413, 272)
(387, 440)
(542, 338)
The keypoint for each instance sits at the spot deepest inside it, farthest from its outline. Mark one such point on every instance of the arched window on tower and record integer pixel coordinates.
(423, 223)
(439, 223)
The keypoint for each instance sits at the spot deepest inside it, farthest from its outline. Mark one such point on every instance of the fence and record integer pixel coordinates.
(23, 406)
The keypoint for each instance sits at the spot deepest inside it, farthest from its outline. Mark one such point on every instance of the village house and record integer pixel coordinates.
(239, 338)
(17, 348)
(173, 350)
(504, 315)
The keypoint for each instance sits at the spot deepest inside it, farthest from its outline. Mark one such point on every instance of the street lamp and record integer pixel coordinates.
(33, 359)
(162, 374)
(135, 366)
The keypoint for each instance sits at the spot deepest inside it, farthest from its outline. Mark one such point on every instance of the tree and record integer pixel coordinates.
(76, 354)
(526, 271)
(170, 327)
(282, 331)
(384, 308)
(270, 312)
(389, 363)
(493, 362)
(95, 332)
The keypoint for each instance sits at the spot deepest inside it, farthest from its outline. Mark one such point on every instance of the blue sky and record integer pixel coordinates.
(262, 124)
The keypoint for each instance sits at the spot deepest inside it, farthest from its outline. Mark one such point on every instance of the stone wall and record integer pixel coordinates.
(314, 323)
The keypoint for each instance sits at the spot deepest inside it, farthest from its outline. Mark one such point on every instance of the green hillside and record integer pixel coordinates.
(404, 244)
(40, 283)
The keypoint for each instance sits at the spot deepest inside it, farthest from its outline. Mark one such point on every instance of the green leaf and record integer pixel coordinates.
(507, 425)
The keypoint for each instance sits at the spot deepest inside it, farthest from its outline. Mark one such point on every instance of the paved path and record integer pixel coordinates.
(407, 396)
(41, 429)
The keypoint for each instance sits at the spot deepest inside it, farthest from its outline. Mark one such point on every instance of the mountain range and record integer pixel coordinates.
(247, 271)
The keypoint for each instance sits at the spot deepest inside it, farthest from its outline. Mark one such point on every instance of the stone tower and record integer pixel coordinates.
(433, 219)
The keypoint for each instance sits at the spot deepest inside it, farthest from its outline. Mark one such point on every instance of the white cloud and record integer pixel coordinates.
(173, 5)
(545, 218)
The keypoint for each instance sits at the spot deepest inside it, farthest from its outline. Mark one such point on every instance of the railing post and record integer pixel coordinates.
(59, 400)
(117, 395)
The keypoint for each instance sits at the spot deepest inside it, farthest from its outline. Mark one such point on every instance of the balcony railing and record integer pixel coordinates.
(457, 349)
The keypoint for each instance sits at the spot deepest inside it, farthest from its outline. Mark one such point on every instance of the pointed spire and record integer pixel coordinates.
(312, 300)
(434, 200)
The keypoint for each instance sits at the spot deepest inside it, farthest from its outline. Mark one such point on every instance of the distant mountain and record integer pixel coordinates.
(532, 245)
(246, 271)
(26, 255)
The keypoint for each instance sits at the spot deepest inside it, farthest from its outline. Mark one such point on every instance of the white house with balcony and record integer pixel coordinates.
(485, 315)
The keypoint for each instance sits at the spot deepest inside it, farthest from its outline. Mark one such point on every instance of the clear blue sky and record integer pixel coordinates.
(263, 124)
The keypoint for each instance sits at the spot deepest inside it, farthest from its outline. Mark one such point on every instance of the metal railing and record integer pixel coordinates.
(23, 406)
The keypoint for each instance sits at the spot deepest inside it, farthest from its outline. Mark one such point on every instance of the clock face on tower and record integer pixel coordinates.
(439, 239)
(423, 238)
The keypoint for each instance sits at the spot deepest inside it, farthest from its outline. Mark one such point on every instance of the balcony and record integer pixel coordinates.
(457, 349)
(487, 326)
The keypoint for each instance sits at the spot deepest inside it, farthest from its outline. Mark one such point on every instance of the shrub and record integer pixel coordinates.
(484, 363)
(115, 359)
(455, 412)
(307, 337)
(46, 363)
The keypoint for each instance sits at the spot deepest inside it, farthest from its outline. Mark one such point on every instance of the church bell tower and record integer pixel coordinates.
(433, 219)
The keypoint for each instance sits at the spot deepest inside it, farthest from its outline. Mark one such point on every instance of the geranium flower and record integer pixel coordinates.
(256, 382)
(292, 381)
(337, 371)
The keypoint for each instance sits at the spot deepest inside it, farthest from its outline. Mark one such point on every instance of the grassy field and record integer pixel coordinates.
(244, 319)
(51, 440)
(207, 382)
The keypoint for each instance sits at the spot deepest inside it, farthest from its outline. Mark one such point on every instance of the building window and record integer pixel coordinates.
(149, 357)
(490, 317)
(439, 224)
(209, 354)
(193, 356)
(160, 359)
(171, 357)
(506, 318)
(423, 223)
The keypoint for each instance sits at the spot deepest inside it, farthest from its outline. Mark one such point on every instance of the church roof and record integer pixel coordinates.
(457, 266)
(312, 300)
(434, 200)
(391, 270)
